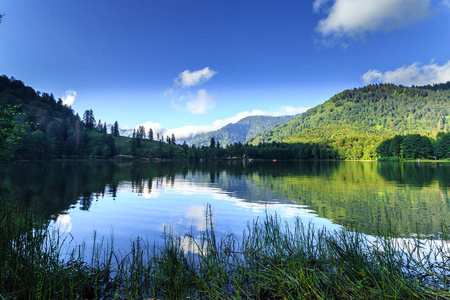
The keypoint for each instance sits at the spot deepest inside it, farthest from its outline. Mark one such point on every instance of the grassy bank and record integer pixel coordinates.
(397, 159)
(271, 261)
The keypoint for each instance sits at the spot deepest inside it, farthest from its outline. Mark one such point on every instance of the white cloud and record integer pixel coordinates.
(156, 127)
(415, 74)
(446, 3)
(188, 78)
(169, 92)
(200, 103)
(196, 103)
(320, 5)
(290, 110)
(356, 17)
(69, 97)
(63, 223)
(197, 216)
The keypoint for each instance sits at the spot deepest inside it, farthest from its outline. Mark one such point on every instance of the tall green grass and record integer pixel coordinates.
(272, 260)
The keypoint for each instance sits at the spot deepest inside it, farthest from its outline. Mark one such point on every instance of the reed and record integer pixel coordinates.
(271, 260)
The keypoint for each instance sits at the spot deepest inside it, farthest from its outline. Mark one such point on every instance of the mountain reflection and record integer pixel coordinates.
(368, 196)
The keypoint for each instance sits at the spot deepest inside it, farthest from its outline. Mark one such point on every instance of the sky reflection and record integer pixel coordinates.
(177, 205)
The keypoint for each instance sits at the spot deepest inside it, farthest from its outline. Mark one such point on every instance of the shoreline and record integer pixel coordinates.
(145, 159)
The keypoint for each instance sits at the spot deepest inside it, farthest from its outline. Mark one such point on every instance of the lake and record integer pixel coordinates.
(134, 199)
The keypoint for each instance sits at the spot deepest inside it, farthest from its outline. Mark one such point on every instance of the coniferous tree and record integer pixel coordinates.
(77, 134)
(160, 148)
(185, 147)
(137, 138)
(141, 132)
(212, 144)
(150, 134)
(88, 119)
(115, 131)
(111, 146)
(134, 143)
(173, 139)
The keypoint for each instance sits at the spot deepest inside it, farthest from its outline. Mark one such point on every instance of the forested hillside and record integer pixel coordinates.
(238, 132)
(354, 122)
(51, 130)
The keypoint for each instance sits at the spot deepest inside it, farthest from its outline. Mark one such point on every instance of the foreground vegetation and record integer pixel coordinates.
(272, 260)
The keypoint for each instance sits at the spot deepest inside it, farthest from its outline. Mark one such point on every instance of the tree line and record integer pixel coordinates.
(272, 150)
(416, 146)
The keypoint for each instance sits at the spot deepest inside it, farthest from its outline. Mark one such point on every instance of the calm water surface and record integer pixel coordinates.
(144, 199)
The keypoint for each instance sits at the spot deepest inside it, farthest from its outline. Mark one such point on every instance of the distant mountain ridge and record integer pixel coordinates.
(240, 131)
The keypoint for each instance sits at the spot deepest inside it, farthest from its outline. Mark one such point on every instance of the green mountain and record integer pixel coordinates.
(238, 132)
(354, 122)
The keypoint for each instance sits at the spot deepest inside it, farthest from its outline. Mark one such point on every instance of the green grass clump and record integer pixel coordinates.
(272, 260)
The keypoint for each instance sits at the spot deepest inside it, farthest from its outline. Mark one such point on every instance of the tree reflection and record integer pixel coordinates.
(363, 195)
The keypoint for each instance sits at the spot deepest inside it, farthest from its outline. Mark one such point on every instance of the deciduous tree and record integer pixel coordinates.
(9, 130)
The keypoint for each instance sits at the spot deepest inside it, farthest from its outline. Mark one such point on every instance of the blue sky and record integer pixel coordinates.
(202, 64)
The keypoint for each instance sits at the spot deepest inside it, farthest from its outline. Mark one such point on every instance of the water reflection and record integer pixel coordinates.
(412, 173)
(176, 204)
(141, 198)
